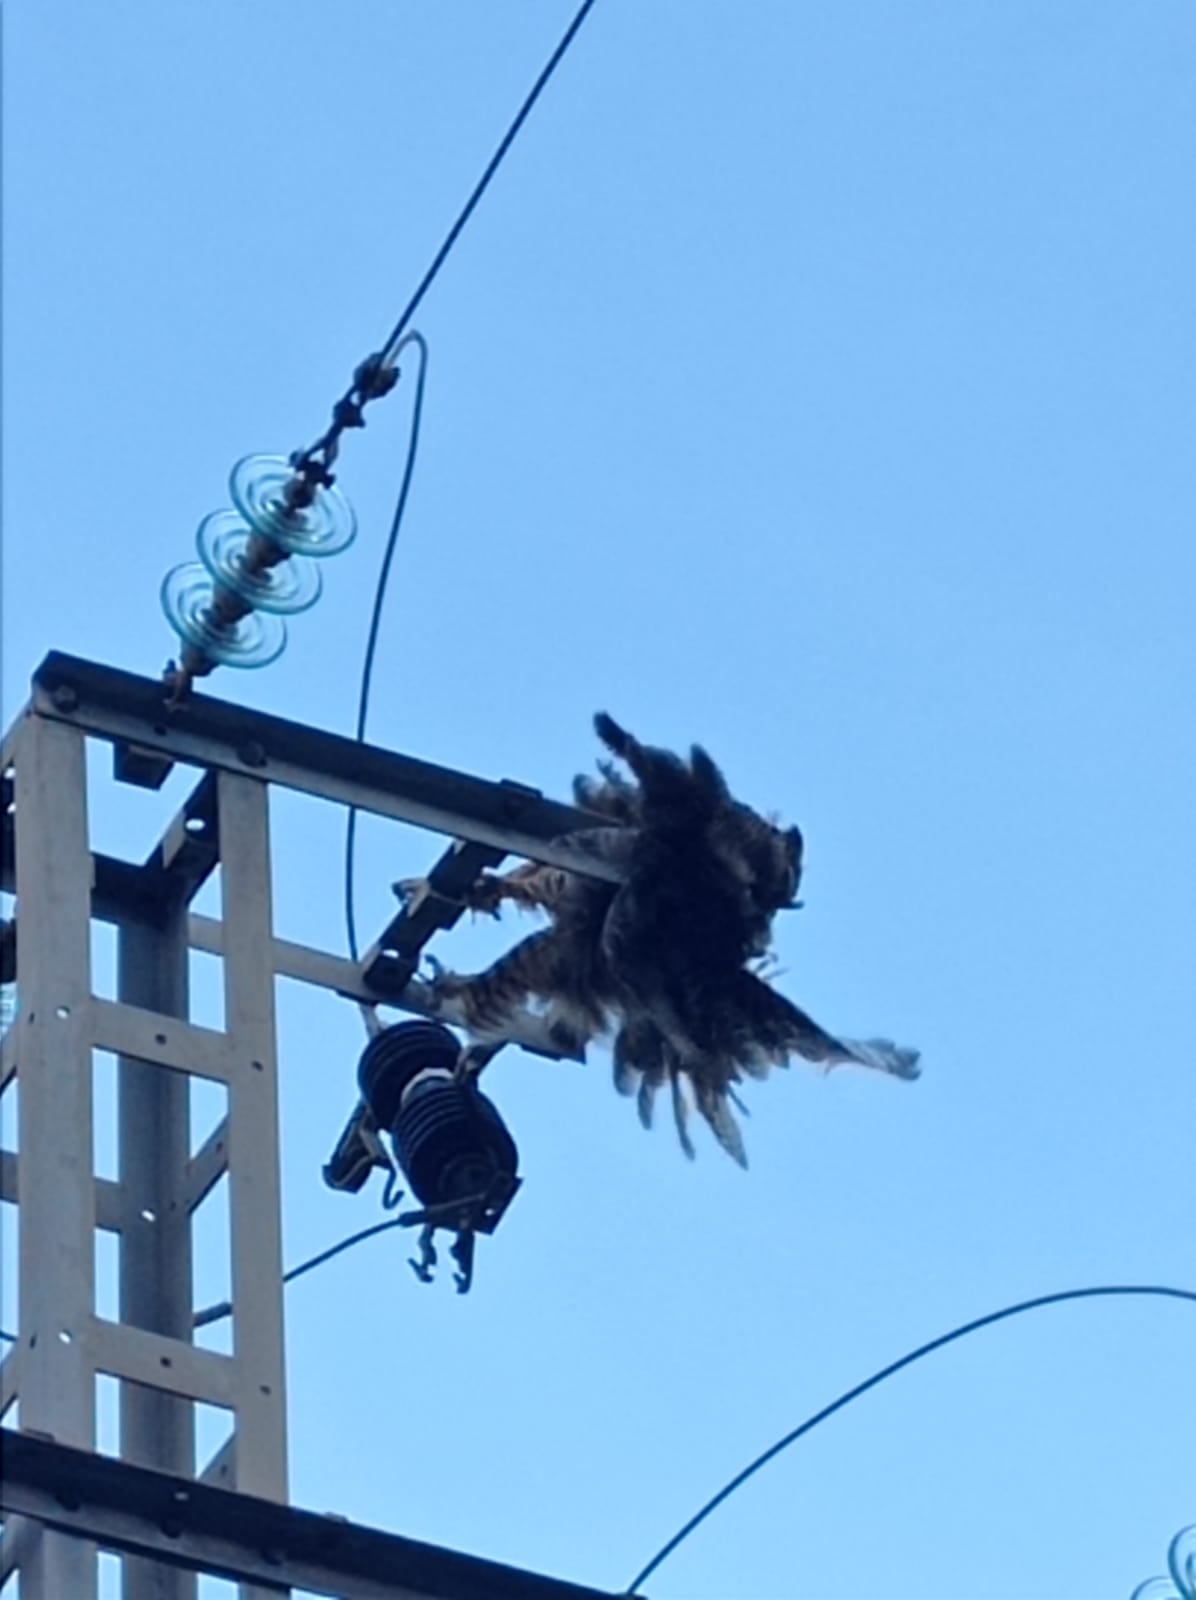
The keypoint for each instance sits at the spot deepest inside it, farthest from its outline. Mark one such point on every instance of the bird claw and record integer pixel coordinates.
(484, 897)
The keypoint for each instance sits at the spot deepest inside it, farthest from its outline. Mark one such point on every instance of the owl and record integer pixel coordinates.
(682, 933)
(559, 967)
(668, 959)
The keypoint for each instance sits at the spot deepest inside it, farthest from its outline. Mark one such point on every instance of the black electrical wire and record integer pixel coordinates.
(367, 670)
(376, 375)
(483, 182)
(8, 1338)
(223, 1308)
(811, 1423)
(398, 337)
(337, 1249)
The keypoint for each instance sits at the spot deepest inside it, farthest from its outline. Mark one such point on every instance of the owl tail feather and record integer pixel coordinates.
(713, 1106)
(770, 1026)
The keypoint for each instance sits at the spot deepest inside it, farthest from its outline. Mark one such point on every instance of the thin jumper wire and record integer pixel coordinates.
(367, 669)
(1105, 1291)
(223, 1308)
(483, 182)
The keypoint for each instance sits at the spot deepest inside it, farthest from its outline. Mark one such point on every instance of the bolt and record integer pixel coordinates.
(65, 697)
(252, 753)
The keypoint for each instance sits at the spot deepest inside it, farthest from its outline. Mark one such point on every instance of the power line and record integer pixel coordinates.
(492, 167)
(224, 1308)
(367, 670)
(311, 468)
(375, 376)
(811, 1423)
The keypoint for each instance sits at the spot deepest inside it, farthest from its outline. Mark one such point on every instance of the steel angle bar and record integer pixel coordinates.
(161, 1362)
(111, 1204)
(304, 964)
(244, 1538)
(208, 732)
(165, 1040)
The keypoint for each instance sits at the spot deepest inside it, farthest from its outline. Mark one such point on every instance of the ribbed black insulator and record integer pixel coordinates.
(394, 1056)
(450, 1141)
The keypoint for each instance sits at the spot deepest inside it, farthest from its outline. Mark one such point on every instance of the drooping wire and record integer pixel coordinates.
(1103, 1291)
(8, 1338)
(367, 669)
(223, 1308)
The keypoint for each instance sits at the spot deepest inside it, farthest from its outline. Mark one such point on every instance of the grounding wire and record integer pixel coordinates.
(1103, 1291)
(367, 669)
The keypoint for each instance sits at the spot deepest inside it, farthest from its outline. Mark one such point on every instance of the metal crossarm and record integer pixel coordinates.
(192, 1526)
(212, 733)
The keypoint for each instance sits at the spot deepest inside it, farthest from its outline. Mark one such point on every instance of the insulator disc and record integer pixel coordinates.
(187, 597)
(289, 587)
(324, 528)
(1181, 1558)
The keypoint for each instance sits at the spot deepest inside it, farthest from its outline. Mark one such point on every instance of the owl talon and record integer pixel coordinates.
(437, 972)
(484, 897)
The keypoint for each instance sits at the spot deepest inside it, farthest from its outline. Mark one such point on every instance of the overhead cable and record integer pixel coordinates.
(737, 1482)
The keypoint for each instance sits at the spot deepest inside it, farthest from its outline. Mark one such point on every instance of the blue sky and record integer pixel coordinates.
(816, 381)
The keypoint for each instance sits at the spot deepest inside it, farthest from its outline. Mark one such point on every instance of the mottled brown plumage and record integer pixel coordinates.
(666, 959)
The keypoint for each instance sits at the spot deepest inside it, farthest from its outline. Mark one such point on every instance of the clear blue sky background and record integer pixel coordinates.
(815, 381)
